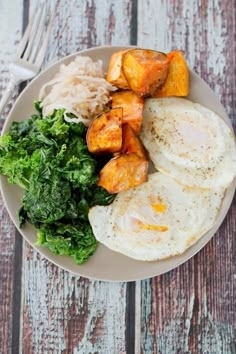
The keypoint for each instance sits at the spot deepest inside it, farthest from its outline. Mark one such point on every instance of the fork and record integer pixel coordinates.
(31, 51)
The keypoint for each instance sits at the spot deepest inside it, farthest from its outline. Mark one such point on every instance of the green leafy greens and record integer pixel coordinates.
(49, 159)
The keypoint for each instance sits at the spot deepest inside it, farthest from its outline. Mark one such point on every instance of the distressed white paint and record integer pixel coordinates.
(37, 296)
(214, 334)
(104, 302)
(10, 32)
(81, 24)
(188, 320)
(201, 34)
(146, 337)
(138, 328)
(119, 34)
(159, 30)
(50, 293)
(153, 34)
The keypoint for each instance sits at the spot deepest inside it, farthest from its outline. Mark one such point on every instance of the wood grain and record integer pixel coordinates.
(192, 308)
(69, 313)
(64, 313)
(8, 47)
(7, 230)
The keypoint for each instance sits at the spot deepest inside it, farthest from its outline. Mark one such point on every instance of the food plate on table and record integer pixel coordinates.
(106, 264)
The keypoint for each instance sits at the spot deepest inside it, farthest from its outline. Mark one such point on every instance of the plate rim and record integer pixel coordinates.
(41, 249)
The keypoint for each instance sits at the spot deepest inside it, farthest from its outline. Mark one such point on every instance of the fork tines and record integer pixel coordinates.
(33, 44)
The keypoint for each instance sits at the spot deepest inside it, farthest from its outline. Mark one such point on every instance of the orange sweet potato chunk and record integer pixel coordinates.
(104, 134)
(123, 172)
(115, 74)
(131, 142)
(145, 70)
(177, 81)
(132, 108)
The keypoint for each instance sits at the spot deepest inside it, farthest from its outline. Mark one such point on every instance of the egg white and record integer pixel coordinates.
(189, 142)
(158, 219)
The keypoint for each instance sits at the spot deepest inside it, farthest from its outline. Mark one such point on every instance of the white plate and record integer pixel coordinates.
(106, 264)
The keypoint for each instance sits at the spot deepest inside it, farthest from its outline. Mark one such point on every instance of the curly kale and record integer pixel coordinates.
(49, 159)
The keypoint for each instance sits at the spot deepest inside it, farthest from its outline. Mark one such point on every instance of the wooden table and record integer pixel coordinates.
(191, 309)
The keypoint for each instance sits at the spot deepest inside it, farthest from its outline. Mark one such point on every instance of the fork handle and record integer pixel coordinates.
(8, 91)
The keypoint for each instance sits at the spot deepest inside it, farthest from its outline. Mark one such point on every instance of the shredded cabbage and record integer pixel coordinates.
(79, 88)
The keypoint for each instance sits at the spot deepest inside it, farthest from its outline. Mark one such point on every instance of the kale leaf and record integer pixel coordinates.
(77, 241)
(49, 159)
(46, 199)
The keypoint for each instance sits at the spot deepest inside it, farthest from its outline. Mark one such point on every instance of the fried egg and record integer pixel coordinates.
(189, 142)
(157, 219)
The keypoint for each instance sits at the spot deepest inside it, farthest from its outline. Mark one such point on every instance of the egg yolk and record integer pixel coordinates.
(150, 227)
(159, 208)
(155, 227)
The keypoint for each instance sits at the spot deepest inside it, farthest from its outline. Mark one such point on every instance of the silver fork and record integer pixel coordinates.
(31, 51)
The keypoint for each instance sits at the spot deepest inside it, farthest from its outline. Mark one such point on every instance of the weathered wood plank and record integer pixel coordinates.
(11, 16)
(68, 313)
(62, 312)
(10, 33)
(192, 308)
(189, 310)
(83, 24)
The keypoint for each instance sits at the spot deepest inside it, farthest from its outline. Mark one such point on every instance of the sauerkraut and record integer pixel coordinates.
(80, 88)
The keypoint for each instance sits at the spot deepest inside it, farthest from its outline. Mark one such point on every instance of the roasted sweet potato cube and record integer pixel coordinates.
(132, 108)
(123, 172)
(131, 142)
(145, 70)
(115, 74)
(104, 134)
(177, 81)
